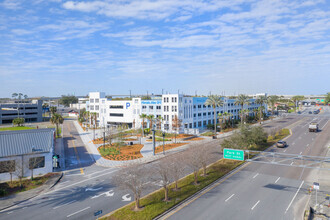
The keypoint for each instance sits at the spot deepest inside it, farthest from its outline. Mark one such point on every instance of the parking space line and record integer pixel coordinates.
(277, 179)
(255, 175)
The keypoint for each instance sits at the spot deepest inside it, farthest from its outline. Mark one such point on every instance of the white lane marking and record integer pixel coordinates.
(255, 175)
(65, 204)
(284, 150)
(9, 212)
(229, 197)
(97, 172)
(325, 124)
(294, 196)
(24, 208)
(291, 163)
(255, 205)
(126, 198)
(78, 212)
(277, 179)
(92, 189)
(300, 153)
(65, 181)
(73, 184)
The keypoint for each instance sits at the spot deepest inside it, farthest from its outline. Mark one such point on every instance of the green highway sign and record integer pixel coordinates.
(233, 154)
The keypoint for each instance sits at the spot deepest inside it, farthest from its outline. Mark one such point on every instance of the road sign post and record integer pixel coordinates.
(233, 154)
(316, 186)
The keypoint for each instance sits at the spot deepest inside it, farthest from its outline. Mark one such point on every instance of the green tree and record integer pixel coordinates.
(67, 100)
(296, 99)
(327, 98)
(57, 119)
(214, 101)
(272, 101)
(18, 121)
(151, 120)
(261, 100)
(143, 117)
(53, 110)
(14, 95)
(242, 100)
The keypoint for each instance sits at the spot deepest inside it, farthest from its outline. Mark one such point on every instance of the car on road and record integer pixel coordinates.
(310, 112)
(281, 144)
(299, 112)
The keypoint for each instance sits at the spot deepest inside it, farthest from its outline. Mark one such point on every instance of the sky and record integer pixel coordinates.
(59, 47)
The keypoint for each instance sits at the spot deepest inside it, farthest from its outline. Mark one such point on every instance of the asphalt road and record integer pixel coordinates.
(265, 191)
(86, 188)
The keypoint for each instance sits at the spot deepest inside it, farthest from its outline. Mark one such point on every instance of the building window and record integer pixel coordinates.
(194, 106)
(36, 162)
(116, 115)
(164, 99)
(91, 101)
(116, 106)
(158, 107)
(167, 99)
(97, 107)
(175, 99)
(204, 114)
(194, 115)
(199, 114)
(209, 113)
(199, 106)
(190, 125)
(199, 124)
(151, 107)
(194, 124)
(204, 122)
(7, 166)
(92, 107)
(96, 100)
(176, 108)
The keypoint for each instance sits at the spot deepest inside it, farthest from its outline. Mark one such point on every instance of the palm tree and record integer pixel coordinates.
(261, 109)
(151, 120)
(56, 119)
(261, 100)
(159, 122)
(221, 116)
(296, 99)
(143, 117)
(272, 101)
(242, 100)
(214, 101)
(53, 110)
(14, 95)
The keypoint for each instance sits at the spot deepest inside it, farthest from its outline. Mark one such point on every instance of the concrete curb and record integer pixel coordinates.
(37, 194)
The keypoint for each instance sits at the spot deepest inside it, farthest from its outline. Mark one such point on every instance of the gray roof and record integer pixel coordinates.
(26, 142)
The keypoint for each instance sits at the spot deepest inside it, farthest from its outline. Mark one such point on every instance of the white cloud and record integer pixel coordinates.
(11, 4)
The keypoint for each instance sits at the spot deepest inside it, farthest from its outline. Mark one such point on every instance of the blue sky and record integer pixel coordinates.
(55, 47)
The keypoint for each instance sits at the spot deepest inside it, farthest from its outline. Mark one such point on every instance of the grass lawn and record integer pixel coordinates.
(153, 203)
(8, 188)
(159, 139)
(159, 148)
(15, 128)
(209, 133)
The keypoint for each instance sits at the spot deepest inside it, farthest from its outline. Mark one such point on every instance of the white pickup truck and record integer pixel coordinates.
(313, 127)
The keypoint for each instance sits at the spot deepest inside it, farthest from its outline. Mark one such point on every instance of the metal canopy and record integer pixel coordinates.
(293, 160)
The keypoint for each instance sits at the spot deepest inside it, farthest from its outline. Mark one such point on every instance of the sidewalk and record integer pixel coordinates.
(9, 201)
(322, 209)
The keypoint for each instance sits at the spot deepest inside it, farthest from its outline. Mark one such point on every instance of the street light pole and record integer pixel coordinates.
(164, 142)
(232, 122)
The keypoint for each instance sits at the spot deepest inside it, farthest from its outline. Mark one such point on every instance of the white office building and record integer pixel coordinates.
(191, 111)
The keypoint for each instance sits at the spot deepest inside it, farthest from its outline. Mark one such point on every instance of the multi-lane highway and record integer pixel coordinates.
(265, 191)
(257, 192)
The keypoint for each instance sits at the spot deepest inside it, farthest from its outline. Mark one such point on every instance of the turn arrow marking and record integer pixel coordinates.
(125, 198)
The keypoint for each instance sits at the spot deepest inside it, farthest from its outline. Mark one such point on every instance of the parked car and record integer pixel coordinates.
(299, 112)
(281, 144)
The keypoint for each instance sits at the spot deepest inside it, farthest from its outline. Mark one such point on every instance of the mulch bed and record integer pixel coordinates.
(129, 152)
